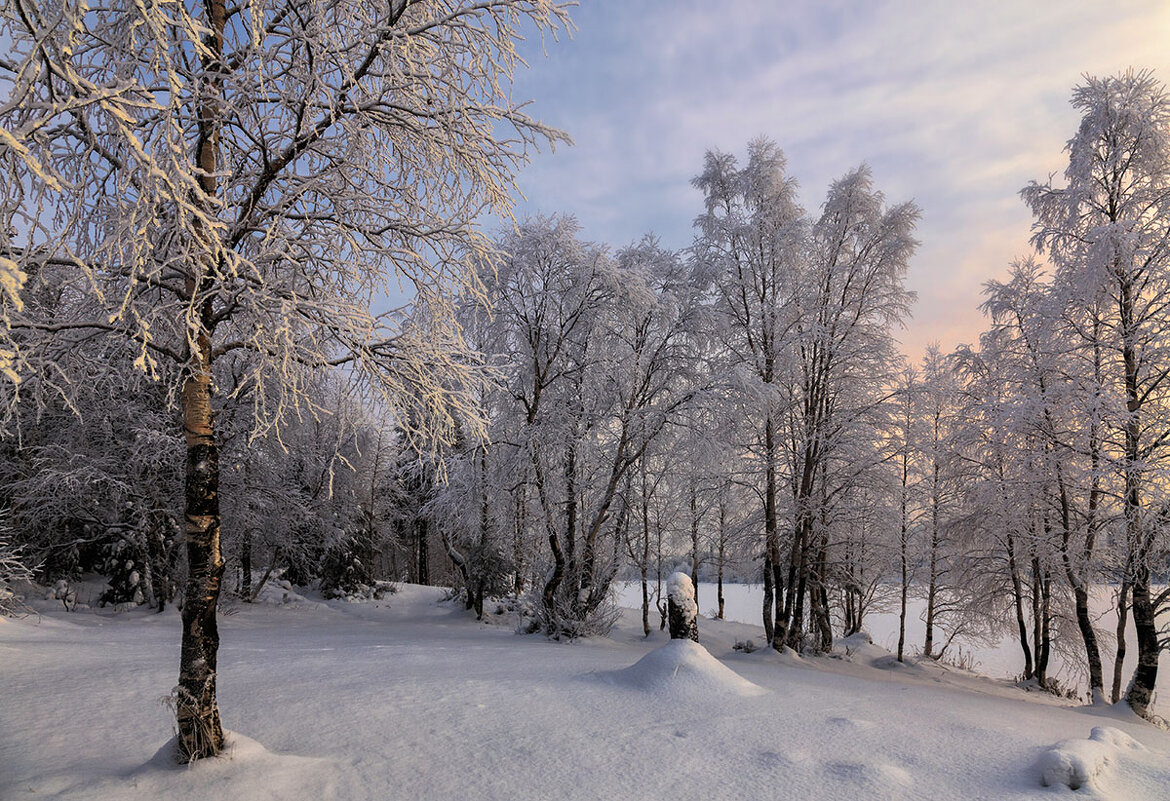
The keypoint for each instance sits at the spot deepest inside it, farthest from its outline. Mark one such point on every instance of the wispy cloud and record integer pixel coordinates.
(956, 105)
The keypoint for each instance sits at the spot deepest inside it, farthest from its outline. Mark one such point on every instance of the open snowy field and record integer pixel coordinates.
(412, 699)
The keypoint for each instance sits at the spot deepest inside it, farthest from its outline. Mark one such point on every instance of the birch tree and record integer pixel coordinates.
(1107, 230)
(1056, 406)
(248, 178)
(750, 238)
(850, 295)
(595, 357)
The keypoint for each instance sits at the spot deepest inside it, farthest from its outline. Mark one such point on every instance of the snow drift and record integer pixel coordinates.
(681, 669)
(1075, 763)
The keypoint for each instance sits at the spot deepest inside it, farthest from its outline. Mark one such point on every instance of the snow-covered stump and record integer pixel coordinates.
(681, 610)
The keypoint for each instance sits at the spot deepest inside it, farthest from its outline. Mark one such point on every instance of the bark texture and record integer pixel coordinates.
(196, 710)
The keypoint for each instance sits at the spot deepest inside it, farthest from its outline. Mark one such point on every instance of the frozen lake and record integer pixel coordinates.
(1001, 659)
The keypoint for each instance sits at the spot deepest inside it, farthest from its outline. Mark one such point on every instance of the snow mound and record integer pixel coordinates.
(681, 668)
(281, 592)
(859, 648)
(245, 769)
(1075, 763)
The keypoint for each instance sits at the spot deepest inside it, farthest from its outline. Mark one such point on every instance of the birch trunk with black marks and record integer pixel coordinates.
(196, 710)
(200, 732)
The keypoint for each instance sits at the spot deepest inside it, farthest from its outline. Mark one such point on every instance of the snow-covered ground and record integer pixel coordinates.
(410, 698)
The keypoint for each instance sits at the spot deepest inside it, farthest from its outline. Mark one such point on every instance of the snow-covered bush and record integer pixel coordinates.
(563, 622)
(362, 593)
(122, 566)
(345, 569)
(12, 569)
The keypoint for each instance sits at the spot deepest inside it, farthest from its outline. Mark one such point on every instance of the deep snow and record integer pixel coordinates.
(410, 698)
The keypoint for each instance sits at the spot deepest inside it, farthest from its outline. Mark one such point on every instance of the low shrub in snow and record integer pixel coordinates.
(12, 570)
(565, 623)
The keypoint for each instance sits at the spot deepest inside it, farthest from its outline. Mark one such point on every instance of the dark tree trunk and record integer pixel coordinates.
(160, 575)
(1018, 598)
(572, 573)
(769, 631)
(694, 504)
(793, 600)
(521, 515)
(246, 566)
(1084, 618)
(644, 564)
(549, 595)
(1045, 629)
(422, 552)
(461, 565)
(796, 623)
(478, 603)
(904, 539)
(774, 633)
(147, 579)
(718, 578)
(821, 603)
(1119, 656)
(1037, 617)
(719, 592)
(551, 587)
(722, 555)
(658, 604)
(1141, 689)
(932, 588)
(1075, 580)
(778, 589)
(1145, 675)
(1089, 638)
(645, 603)
(905, 591)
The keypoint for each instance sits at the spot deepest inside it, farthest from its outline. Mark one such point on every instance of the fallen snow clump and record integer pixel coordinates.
(1075, 763)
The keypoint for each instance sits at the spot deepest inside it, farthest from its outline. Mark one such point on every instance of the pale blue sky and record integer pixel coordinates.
(955, 105)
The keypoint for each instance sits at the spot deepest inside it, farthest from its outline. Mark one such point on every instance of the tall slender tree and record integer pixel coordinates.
(1108, 233)
(249, 177)
(750, 237)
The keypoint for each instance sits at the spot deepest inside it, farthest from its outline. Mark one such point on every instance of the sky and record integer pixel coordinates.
(955, 105)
